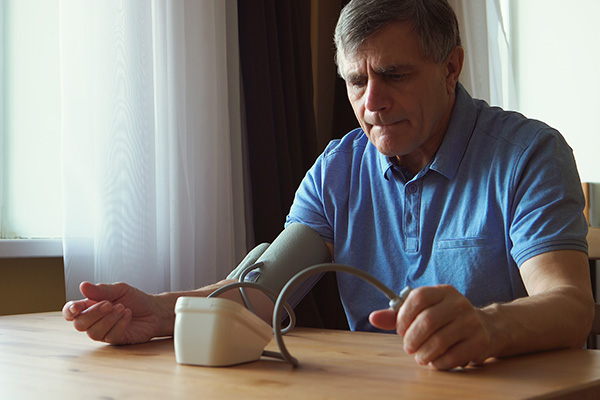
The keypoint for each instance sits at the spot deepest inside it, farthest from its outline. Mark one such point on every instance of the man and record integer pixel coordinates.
(476, 208)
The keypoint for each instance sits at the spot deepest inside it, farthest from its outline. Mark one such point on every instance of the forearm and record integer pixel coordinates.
(558, 318)
(165, 303)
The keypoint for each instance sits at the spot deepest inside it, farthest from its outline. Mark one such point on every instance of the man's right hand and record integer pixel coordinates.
(120, 314)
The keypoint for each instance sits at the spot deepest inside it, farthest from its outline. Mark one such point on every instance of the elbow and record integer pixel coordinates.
(593, 319)
(587, 322)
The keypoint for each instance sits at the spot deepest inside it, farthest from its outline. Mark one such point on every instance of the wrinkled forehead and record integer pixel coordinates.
(394, 44)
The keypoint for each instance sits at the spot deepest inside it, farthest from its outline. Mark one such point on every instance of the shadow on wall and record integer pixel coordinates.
(30, 285)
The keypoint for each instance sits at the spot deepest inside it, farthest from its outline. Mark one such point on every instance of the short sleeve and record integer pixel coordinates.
(308, 207)
(548, 202)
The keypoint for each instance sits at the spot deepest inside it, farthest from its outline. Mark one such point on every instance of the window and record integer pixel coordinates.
(30, 190)
(556, 63)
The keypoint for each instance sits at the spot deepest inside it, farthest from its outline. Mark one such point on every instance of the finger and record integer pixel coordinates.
(102, 291)
(70, 310)
(457, 356)
(100, 328)
(427, 324)
(383, 319)
(474, 348)
(417, 301)
(73, 308)
(116, 335)
(438, 344)
(91, 315)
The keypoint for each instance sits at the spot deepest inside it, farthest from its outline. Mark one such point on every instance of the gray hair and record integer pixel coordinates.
(433, 21)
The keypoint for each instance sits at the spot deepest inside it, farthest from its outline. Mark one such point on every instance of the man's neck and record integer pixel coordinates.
(415, 161)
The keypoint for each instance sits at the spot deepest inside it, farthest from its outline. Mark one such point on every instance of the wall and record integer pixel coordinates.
(31, 285)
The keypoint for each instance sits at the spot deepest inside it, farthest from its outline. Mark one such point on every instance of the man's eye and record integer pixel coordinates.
(358, 83)
(396, 77)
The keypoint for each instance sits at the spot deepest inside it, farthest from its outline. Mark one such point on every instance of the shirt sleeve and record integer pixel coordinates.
(308, 207)
(547, 204)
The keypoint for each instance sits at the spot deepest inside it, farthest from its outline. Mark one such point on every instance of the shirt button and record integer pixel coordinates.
(412, 189)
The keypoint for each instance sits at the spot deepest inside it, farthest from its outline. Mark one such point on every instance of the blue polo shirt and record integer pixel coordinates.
(501, 189)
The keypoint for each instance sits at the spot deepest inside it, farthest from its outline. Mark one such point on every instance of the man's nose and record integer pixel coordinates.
(377, 96)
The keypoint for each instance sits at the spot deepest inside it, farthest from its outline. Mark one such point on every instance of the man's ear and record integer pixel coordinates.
(454, 64)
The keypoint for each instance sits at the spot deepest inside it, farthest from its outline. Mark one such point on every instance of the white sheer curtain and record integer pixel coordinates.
(151, 142)
(487, 73)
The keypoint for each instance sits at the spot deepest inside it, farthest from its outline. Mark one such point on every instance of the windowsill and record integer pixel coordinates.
(30, 248)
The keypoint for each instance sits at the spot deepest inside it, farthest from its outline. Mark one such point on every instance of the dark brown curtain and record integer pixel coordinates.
(277, 91)
(275, 53)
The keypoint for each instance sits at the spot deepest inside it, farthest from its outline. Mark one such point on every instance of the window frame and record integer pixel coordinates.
(2, 119)
(31, 248)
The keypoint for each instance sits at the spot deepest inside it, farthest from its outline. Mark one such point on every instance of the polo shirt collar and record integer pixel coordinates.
(385, 163)
(460, 129)
(453, 147)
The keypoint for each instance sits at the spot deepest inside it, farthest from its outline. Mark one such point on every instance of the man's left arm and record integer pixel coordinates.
(558, 312)
(441, 328)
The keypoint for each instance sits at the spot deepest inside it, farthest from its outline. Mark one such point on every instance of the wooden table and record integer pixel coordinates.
(42, 356)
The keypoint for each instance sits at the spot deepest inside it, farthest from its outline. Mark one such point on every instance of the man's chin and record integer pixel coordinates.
(390, 149)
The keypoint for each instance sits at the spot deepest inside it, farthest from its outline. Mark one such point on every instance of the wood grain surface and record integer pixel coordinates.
(42, 356)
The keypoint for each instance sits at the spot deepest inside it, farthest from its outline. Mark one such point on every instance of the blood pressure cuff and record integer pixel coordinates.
(295, 249)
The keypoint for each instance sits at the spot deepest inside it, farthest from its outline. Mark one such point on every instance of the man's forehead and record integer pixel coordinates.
(379, 61)
(393, 45)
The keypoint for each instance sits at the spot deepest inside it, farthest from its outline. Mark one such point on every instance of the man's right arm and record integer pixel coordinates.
(121, 314)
